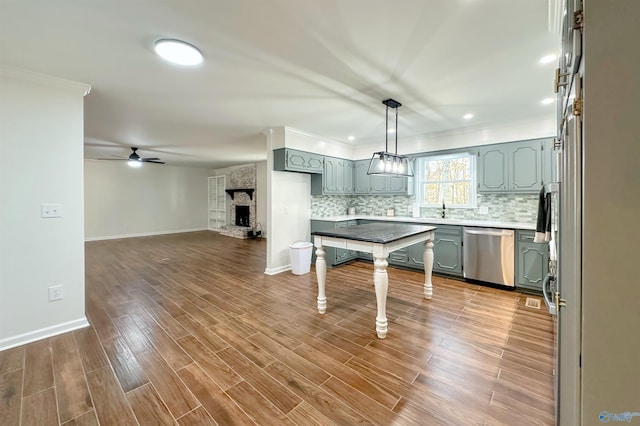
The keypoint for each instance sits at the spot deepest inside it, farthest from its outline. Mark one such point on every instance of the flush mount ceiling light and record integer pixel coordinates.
(178, 52)
(547, 59)
(468, 116)
(547, 101)
(384, 163)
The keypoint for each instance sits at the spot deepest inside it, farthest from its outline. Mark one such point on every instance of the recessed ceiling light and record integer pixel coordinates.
(178, 52)
(391, 130)
(547, 101)
(351, 138)
(468, 116)
(547, 59)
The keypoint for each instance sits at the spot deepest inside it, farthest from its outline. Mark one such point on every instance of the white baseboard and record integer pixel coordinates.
(279, 270)
(43, 333)
(142, 234)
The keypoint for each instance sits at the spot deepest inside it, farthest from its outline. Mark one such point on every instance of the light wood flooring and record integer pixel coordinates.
(187, 329)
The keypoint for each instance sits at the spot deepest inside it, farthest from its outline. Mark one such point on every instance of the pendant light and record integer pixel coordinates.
(384, 163)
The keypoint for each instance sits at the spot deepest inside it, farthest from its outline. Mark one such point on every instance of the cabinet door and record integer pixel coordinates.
(361, 185)
(532, 263)
(330, 176)
(447, 254)
(348, 168)
(378, 184)
(397, 185)
(492, 169)
(525, 166)
(315, 163)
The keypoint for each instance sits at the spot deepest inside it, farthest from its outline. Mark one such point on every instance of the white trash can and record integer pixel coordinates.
(300, 257)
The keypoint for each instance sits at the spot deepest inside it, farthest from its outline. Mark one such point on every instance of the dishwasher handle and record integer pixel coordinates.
(491, 232)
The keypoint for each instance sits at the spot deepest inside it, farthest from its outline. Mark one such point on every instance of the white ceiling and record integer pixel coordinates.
(321, 66)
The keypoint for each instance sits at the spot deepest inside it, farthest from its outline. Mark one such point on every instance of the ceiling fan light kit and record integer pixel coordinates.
(134, 160)
(385, 163)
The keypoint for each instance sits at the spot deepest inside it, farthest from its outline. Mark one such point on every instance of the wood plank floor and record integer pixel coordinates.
(186, 329)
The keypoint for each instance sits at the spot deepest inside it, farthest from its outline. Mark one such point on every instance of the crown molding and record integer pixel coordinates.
(44, 79)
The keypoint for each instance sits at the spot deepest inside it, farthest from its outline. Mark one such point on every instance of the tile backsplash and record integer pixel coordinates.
(502, 207)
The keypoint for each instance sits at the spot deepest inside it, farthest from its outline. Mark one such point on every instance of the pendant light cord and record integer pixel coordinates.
(396, 131)
(386, 130)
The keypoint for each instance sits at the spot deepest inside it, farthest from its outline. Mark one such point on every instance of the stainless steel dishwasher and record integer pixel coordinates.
(488, 255)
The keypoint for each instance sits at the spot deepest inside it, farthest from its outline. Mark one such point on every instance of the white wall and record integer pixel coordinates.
(121, 201)
(289, 208)
(41, 150)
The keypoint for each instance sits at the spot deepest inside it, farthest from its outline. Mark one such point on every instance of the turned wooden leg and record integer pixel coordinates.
(321, 273)
(381, 282)
(428, 268)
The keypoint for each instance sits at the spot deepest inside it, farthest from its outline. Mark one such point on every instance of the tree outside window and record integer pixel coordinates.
(449, 179)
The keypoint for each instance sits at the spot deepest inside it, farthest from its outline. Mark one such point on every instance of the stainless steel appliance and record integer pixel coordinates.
(488, 255)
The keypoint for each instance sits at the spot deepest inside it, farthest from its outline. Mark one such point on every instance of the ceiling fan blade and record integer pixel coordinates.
(150, 159)
(114, 159)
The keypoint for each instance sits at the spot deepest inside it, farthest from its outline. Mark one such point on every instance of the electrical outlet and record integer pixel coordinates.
(55, 293)
(286, 210)
(483, 210)
(50, 210)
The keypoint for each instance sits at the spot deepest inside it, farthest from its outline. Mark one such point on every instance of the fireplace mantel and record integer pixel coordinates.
(248, 191)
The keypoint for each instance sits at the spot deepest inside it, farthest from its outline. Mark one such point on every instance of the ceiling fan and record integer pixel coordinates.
(134, 159)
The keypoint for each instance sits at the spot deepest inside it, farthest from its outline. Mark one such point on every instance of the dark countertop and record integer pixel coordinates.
(376, 232)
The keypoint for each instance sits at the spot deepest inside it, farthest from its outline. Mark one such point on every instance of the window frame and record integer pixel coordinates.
(473, 180)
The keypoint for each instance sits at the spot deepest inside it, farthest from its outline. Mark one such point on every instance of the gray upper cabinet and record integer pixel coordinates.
(336, 179)
(513, 167)
(361, 178)
(492, 169)
(292, 160)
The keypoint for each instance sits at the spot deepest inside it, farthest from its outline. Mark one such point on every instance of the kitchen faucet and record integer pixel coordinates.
(444, 210)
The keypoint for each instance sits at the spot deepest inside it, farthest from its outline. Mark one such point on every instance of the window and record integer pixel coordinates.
(447, 178)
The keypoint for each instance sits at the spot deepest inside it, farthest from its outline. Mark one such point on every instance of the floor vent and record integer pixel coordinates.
(532, 303)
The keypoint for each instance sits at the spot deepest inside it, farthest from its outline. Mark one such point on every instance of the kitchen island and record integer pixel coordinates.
(379, 240)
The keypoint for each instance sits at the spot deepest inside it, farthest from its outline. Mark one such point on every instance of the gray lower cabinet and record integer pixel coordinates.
(285, 159)
(447, 252)
(532, 261)
(334, 256)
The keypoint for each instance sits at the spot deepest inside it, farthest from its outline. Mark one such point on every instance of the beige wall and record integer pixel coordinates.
(121, 201)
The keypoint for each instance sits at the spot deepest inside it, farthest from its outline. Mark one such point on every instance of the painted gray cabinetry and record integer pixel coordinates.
(337, 178)
(447, 252)
(378, 185)
(285, 159)
(361, 178)
(514, 167)
(532, 261)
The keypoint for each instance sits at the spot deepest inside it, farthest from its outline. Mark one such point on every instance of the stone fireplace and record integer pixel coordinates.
(241, 183)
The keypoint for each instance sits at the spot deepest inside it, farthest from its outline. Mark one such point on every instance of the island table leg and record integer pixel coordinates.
(321, 273)
(381, 282)
(428, 268)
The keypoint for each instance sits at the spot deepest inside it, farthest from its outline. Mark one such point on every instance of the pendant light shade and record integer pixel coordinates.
(385, 163)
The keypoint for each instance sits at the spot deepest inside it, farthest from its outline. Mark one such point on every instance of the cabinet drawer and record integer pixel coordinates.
(398, 257)
(525, 236)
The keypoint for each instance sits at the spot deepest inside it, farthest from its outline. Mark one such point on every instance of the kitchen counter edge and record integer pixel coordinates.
(430, 221)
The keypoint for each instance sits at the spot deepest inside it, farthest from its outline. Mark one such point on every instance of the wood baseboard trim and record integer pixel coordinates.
(43, 333)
